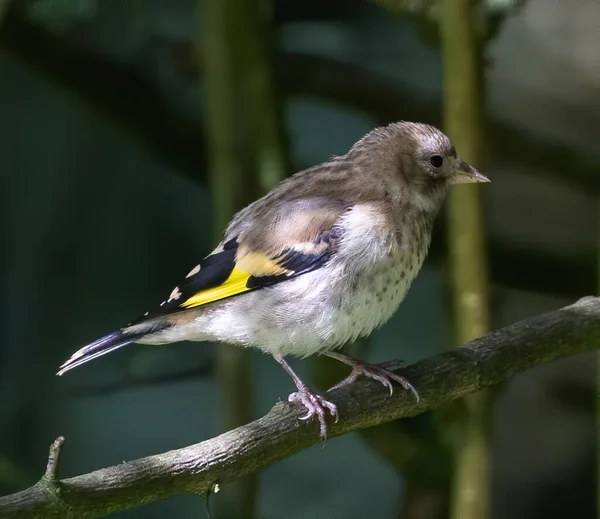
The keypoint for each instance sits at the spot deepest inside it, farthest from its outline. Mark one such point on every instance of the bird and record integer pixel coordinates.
(323, 259)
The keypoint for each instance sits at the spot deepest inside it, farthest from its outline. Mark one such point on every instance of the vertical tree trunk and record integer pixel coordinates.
(3, 9)
(263, 100)
(246, 156)
(463, 116)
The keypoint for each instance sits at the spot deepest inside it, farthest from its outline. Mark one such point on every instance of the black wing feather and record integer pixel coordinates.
(214, 270)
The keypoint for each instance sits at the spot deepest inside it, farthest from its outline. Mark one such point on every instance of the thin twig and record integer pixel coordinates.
(52, 466)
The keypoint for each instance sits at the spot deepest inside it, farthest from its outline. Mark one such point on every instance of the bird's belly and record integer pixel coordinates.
(315, 312)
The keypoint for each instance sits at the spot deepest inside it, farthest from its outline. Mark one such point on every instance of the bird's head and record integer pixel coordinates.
(421, 158)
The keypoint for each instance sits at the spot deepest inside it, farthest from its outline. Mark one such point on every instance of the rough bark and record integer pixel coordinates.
(196, 469)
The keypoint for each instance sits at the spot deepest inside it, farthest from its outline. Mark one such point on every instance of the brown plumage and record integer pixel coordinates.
(324, 258)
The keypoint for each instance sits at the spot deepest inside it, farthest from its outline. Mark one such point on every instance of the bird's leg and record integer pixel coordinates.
(315, 404)
(380, 372)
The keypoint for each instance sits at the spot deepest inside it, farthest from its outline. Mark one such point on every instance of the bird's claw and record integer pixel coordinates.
(381, 373)
(315, 405)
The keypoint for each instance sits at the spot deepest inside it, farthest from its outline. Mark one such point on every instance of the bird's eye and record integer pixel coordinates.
(436, 161)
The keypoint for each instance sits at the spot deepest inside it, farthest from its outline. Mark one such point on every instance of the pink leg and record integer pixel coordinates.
(314, 404)
(380, 372)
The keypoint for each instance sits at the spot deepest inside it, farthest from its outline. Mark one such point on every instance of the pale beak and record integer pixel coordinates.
(467, 174)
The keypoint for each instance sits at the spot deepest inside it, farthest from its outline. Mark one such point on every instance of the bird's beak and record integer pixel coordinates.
(467, 174)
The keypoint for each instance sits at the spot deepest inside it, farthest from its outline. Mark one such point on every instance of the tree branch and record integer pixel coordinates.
(198, 468)
(50, 476)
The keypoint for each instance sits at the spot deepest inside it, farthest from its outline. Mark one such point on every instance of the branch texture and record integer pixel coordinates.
(198, 468)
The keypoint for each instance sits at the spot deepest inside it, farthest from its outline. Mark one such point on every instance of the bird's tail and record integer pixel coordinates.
(102, 346)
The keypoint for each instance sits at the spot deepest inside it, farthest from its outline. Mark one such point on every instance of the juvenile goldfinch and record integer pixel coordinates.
(324, 258)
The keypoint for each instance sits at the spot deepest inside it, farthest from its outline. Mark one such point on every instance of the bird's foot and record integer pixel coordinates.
(380, 372)
(315, 405)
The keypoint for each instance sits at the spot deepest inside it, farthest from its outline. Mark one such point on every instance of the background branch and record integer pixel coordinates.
(223, 36)
(247, 157)
(196, 469)
(130, 99)
(464, 101)
(128, 96)
(3, 9)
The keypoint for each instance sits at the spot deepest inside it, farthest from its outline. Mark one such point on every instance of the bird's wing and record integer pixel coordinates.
(273, 245)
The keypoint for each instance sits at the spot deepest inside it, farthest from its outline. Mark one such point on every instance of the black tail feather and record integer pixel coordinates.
(102, 346)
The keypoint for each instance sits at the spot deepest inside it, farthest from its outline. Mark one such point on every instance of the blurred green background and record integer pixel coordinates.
(107, 130)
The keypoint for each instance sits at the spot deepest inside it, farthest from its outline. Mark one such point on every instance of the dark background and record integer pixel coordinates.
(103, 163)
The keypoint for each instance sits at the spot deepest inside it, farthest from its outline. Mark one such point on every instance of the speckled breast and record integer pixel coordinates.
(377, 293)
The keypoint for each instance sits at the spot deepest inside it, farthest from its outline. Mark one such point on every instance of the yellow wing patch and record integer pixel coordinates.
(233, 285)
(260, 264)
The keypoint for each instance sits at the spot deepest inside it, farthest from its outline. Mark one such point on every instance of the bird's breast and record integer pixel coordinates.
(376, 292)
